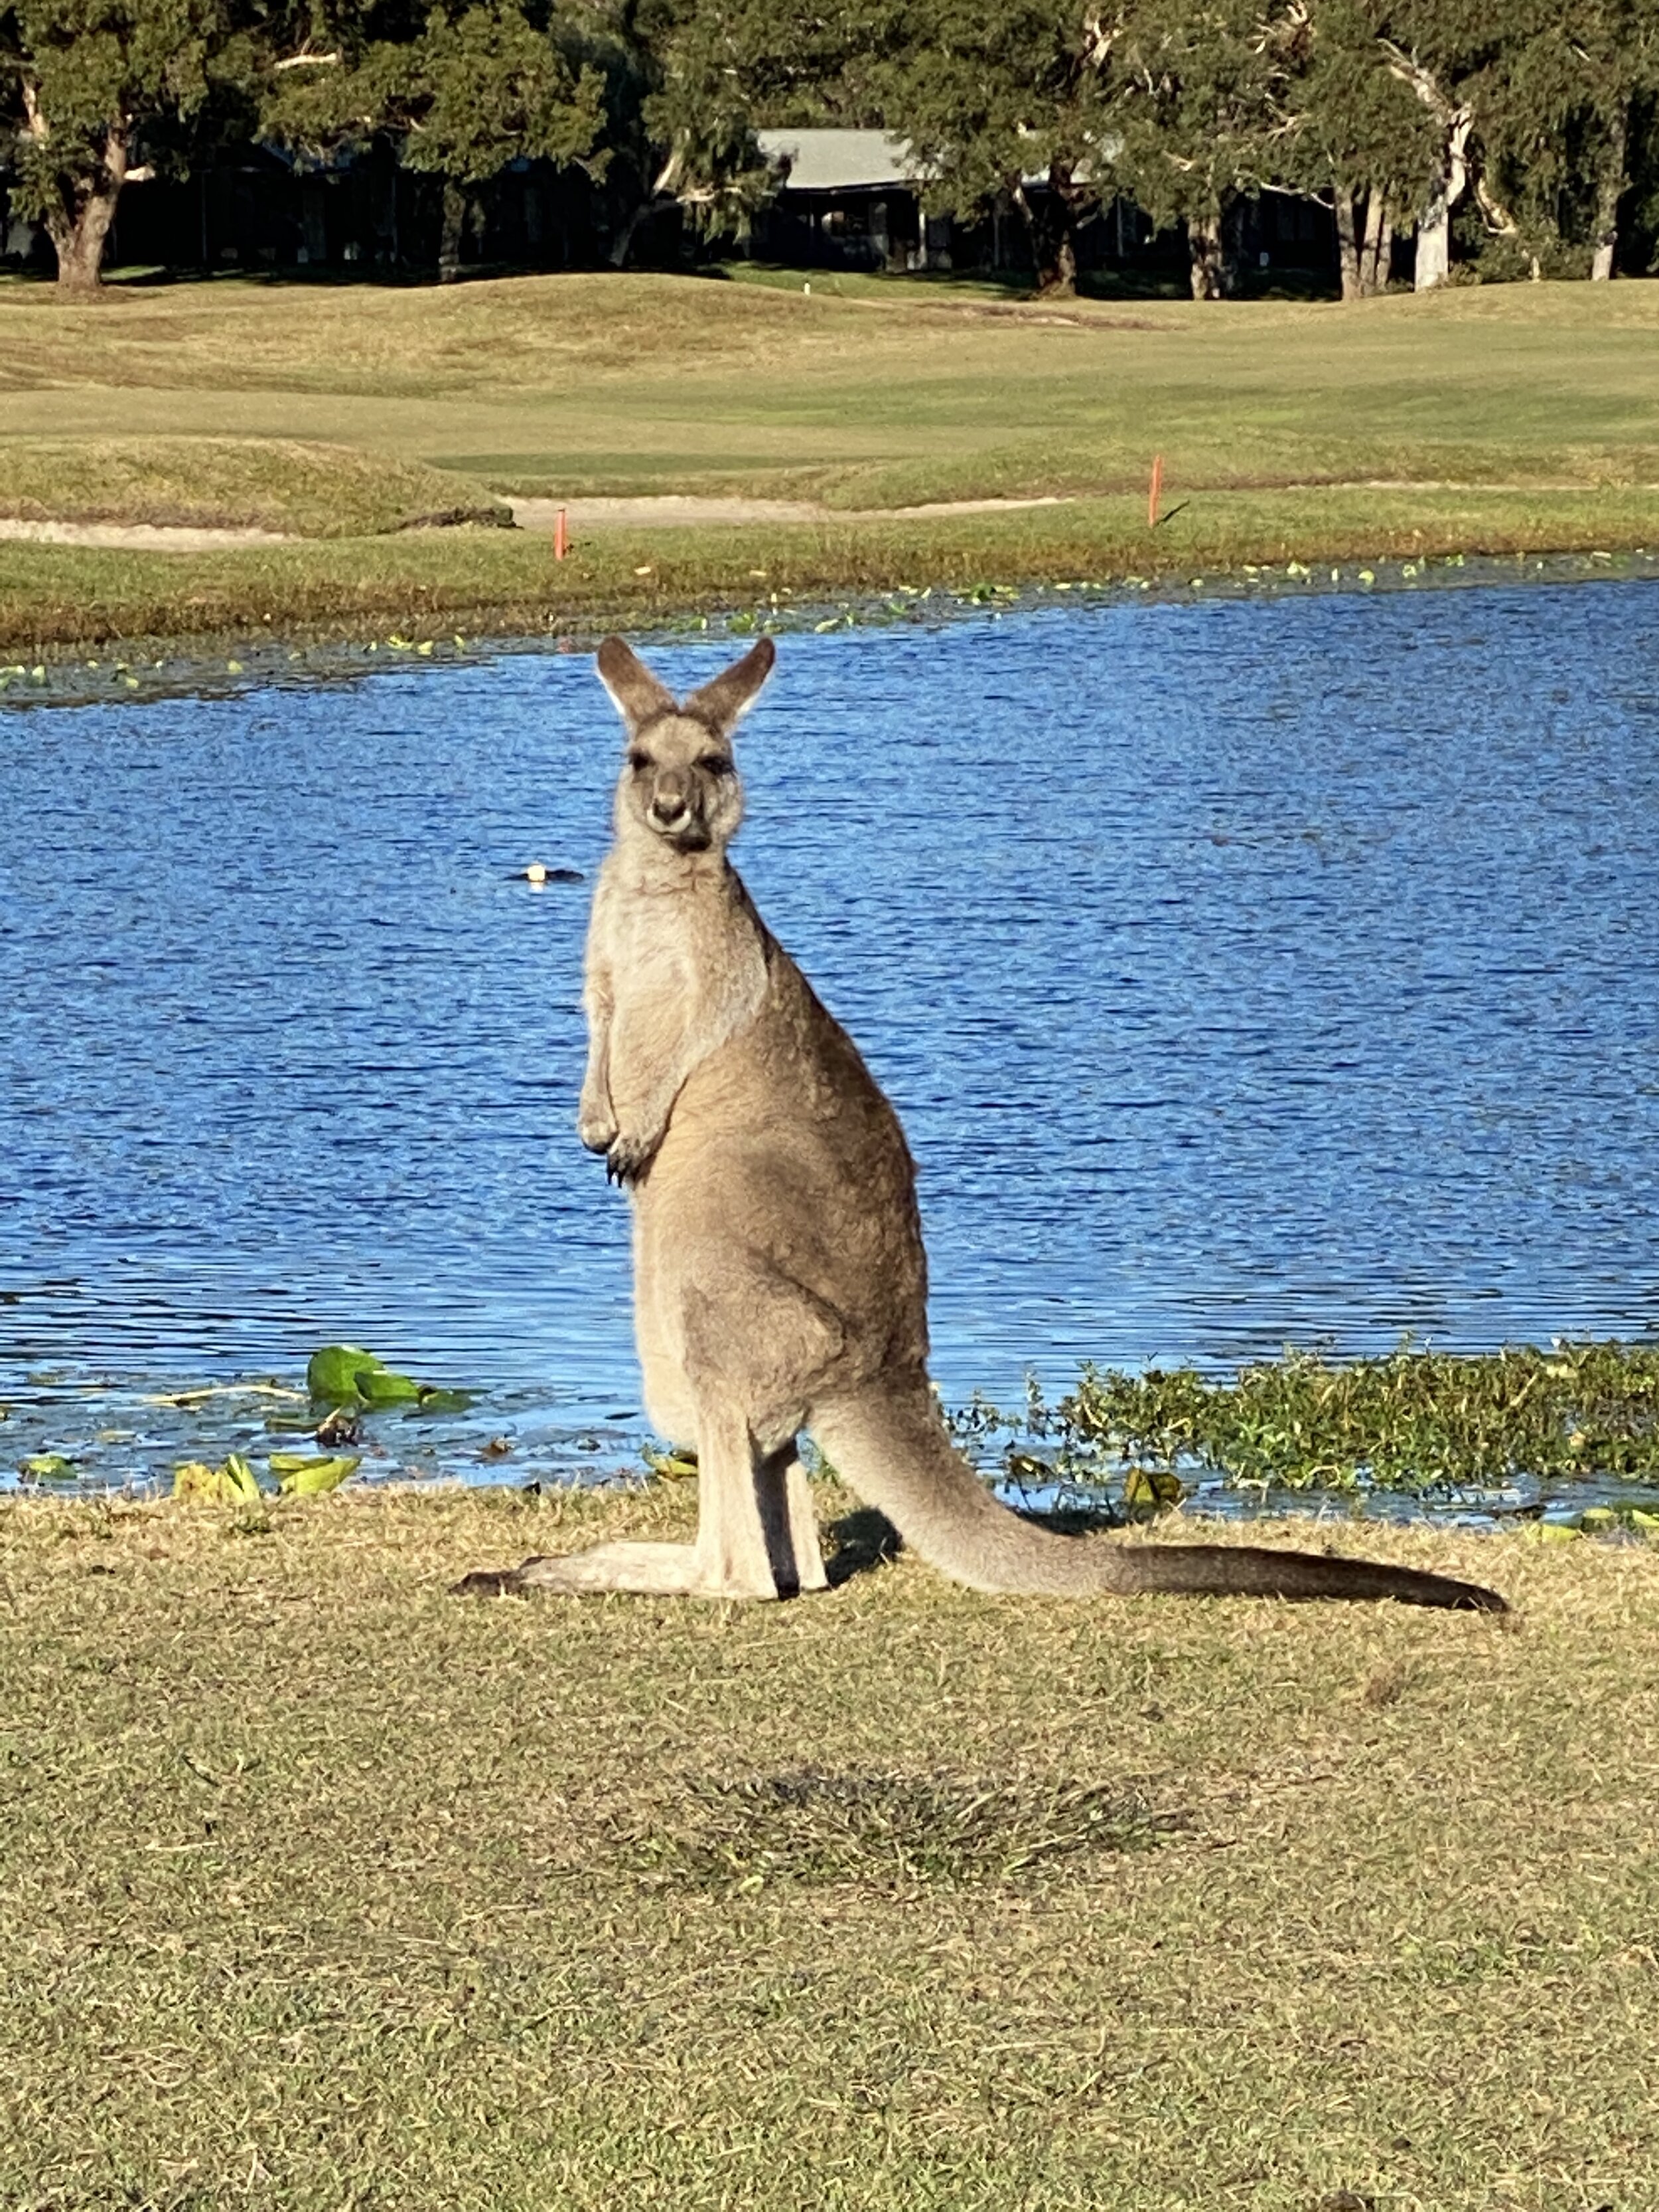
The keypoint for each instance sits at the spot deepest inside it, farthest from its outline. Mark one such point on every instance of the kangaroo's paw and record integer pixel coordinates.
(630, 1156)
(596, 1130)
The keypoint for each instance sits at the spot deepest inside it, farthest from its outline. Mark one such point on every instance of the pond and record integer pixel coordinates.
(1245, 974)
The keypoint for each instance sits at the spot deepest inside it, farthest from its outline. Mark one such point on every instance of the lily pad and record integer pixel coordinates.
(332, 1374)
(378, 1387)
(302, 1474)
(233, 1484)
(346, 1375)
(49, 1466)
(432, 1400)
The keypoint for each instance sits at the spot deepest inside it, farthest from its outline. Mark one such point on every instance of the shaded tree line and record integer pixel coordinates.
(1517, 136)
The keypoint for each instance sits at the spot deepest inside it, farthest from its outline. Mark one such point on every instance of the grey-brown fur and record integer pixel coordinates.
(780, 1281)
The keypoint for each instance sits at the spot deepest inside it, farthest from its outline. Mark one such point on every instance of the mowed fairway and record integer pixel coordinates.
(320, 1887)
(1496, 420)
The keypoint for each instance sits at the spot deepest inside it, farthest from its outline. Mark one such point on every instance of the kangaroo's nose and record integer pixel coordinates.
(668, 806)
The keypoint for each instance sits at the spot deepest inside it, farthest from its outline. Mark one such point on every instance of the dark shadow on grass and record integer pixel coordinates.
(864, 1540)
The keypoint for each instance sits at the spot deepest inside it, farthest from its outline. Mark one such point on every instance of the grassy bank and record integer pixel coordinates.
(1497, 421)
(56, 597)
(321, 1888)
(290, 486)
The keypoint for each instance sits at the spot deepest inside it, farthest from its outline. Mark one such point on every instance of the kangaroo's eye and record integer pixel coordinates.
(715, 764)
(639, 760)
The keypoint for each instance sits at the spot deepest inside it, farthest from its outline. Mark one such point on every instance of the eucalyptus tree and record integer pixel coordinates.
(689, 81)
(1361, 137)
(993, 99)
(1564, 108)
(98, 91)
(461, 90)
(1202, 107)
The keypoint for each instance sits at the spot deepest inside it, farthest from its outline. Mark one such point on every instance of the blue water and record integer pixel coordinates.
(1243, 973)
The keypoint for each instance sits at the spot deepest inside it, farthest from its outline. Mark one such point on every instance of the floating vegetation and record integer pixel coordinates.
(344, 1376)
(234, 1483)
(1414, 1420)
(49, 1466)
(303, 1474)
(253, 1438)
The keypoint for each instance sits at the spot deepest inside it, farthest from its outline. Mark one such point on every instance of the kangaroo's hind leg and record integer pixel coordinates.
(756, 1535)
(757, 1532)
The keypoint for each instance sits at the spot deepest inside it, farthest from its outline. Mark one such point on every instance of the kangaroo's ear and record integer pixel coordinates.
(638, 694)
(726, 701)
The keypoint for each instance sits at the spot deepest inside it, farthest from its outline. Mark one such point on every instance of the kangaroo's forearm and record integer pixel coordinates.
(596, 1119)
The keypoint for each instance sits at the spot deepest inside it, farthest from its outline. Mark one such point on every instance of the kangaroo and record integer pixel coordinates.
(781, 1285)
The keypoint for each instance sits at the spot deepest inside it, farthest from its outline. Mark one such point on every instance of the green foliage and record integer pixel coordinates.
(345, 1377)
(91, 87)
(303, 1474)
(1414, 1421)
(232, 1483)
(1201, 99)
(465, 90)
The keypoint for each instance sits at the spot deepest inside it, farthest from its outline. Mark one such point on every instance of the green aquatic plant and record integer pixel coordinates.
(233, 1483)
(298, 1474)
(304, 1474)
(1414, 1419)
(344, 1376)
(48, 1467)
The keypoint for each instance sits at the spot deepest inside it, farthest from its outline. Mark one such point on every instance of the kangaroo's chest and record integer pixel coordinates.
(655, 944)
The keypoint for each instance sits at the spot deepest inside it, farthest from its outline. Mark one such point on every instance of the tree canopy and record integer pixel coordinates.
(1518, 136)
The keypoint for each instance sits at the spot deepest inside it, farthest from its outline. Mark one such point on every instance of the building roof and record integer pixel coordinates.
(856, 160)
(838, 161)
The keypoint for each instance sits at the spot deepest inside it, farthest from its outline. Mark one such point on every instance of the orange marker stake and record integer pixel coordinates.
(561, 536)
(1154, 496)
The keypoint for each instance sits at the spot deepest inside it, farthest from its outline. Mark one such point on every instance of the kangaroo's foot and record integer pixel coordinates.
(649, 1570)
(644, 1569)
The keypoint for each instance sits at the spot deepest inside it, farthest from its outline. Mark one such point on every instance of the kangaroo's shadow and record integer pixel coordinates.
(866, 1540)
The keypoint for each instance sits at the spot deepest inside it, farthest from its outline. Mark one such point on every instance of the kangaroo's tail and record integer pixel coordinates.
(891, 1445)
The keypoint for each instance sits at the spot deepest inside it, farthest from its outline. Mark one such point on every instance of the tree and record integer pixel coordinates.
(1360, 136)
(90, 85)
(1201, 100)
(1558, 126)
(989, 97)
(463, 90)
(685, 80)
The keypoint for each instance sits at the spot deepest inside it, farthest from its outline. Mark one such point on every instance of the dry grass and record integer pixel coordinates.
(629, 382)
(321, 1888)
(284, 485)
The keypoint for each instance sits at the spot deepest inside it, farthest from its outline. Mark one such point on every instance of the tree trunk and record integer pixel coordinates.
(1433, 243)
(1051, 233)
(1377, 252)
(454, 225)
(1609, 190)
(78, 224)
(1342, 201)
(1209, 260)
(1434, 224)
(624, 243)
(78, 238)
